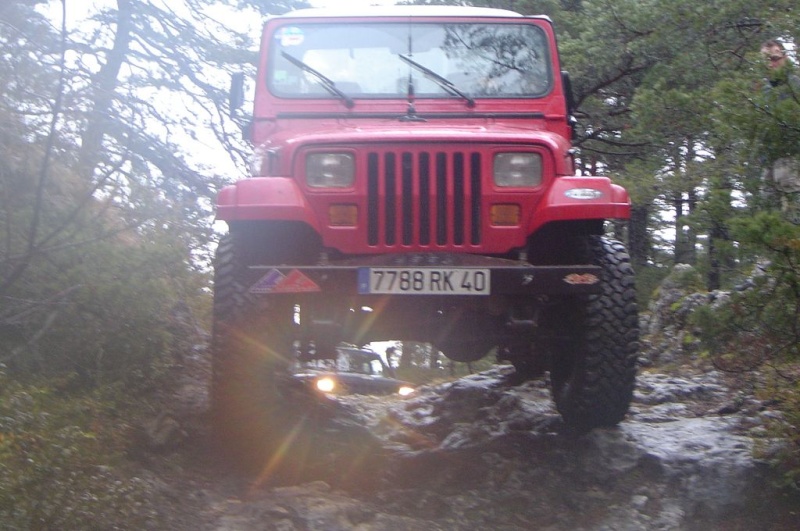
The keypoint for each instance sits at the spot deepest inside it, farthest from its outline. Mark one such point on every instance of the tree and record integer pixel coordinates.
(643, 73)
(649, 71)
(96, 175)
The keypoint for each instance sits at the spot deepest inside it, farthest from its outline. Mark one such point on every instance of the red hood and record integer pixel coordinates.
(289, 136)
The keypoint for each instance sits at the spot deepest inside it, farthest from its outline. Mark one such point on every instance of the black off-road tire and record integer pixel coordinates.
(249, 364)
(594, 350)
(269, 425)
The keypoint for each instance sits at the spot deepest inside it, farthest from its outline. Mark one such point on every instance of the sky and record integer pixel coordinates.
(79, 10)
(350, 3)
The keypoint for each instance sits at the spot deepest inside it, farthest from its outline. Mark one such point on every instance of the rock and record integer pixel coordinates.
(480, 453)
(705, 465)
(665, 467)
(311, 507)
(160, 434)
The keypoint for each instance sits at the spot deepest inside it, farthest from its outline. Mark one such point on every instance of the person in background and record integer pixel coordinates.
(783, 83)
(780, 66)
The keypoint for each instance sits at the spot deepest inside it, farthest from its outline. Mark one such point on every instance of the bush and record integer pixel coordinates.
(757, 330)
(114, 319)
(59, 461)
(786, 427)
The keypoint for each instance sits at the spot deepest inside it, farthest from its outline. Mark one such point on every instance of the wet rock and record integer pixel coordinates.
(654, 389)
(480, 453)
(162, 433)
(664, 467)
(311, 507)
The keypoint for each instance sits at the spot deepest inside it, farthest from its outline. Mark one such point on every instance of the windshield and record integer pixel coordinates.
(360, 363)
(365, 60)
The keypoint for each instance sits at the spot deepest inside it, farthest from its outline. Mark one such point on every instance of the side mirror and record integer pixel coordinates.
(236, 94)
(235, 103)
(568, 94)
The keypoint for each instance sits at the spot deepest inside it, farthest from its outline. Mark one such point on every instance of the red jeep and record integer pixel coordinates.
(414, 180)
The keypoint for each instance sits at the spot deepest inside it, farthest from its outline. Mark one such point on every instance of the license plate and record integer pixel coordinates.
(424, 281)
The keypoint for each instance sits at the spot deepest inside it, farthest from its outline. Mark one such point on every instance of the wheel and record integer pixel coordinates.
(265, 422)
(249, 365)
(595, 343)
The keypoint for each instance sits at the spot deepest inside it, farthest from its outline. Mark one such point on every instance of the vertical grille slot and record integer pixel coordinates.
(441, 199)
(458, 198)
(408, 199)
(475, 204)
(373, 198)
(423, 198)
(390, 176)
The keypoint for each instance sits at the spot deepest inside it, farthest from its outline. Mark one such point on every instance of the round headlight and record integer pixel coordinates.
(405, 390)
(330, 170)
(326, 384)
(518, 170)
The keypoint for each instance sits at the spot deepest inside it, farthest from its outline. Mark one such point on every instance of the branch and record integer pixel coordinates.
(26, 313)
(44, 171)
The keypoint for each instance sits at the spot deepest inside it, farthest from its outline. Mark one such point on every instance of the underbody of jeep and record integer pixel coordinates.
(414, 180)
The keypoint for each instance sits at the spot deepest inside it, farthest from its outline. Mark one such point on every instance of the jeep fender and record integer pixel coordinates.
(582, 198)
(265, 198)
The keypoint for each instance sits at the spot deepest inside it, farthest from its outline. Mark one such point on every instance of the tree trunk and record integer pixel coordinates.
(680, 236)
(104, 85)
(638, 238)
(714, 277)
(691, 232)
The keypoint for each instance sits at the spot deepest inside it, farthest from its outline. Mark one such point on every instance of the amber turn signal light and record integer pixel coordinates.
(342, 215)
(505, 215)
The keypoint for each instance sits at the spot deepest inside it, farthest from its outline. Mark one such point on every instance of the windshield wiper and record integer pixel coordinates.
(440, 80)
(326, 83)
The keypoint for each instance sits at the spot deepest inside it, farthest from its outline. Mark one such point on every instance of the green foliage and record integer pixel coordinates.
(688, 340)
(104, 310)
(786, 429)
(761, 324)
(684, 278)
(93, 260)
(762, 121)
(758, 329)
(648, 280)
(57, 450)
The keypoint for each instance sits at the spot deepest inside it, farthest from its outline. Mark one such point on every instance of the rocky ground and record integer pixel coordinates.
(479, 453)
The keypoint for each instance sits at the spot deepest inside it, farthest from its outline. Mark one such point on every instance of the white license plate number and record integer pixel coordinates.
(424, 281)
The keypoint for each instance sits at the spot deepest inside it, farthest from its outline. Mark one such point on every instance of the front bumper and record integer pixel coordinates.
(352, 277)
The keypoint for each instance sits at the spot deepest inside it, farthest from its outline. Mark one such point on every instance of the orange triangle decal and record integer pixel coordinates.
(295, 282)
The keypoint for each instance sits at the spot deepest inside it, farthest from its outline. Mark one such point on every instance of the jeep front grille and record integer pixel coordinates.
(424, 198)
